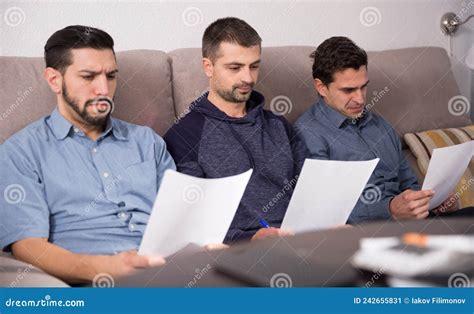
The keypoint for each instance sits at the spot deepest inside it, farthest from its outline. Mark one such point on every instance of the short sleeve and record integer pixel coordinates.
(23, 207)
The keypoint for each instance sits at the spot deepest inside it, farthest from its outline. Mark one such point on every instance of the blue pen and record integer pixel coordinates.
(264, 223)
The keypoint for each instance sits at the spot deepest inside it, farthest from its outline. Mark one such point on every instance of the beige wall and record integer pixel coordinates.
(167, 25)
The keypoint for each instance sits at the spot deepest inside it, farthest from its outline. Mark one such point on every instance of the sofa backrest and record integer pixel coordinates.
(420, 87)
(143, 96)
(410, 87)
(285, 78)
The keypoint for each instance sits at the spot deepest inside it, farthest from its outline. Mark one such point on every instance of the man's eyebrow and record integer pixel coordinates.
(233, 63)
(240, 64)
(352, 87)
(347, 88)
(95, 72)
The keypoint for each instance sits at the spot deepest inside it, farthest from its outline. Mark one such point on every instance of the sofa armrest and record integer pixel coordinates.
(15, 273)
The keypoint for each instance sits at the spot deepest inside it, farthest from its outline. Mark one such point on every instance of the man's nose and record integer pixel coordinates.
(102, 86)
(246, 76)
(359, 96)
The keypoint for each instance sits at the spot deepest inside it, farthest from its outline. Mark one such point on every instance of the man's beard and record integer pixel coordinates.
(234, 95)
(99, 120)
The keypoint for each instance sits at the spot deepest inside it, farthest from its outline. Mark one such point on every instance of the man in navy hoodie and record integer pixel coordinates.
(228, 132)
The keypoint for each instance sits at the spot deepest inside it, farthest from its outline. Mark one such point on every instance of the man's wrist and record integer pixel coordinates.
(390, 206)
(90, 265)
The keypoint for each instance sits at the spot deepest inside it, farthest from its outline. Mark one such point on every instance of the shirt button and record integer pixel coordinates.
(131, 227)
(106, 174)
(121, 215)
(76, 130)
(94, 150)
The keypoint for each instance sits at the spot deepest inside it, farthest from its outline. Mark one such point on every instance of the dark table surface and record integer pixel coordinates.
(330, 250)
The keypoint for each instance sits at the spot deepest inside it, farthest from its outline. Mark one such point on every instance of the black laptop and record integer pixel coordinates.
(280, 263)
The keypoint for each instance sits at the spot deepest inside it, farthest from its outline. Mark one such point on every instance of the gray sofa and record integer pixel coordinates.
(410, 87)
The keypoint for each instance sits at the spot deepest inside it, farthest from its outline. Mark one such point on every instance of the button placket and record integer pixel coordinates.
(131, 224)
(123, 214)
(106, 176)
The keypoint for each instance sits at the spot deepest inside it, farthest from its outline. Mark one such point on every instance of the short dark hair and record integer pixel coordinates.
(230, 30)
(57, 51)
(336, 54)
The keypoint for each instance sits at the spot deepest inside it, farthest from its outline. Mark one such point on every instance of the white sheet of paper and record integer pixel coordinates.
(446, 167)
(326, 193)
(191, 210)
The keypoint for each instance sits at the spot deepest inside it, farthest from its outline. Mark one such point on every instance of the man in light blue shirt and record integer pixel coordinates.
(340, 127)
(78, 184)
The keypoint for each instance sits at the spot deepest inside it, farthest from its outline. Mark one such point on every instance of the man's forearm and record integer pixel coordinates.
(59, 262)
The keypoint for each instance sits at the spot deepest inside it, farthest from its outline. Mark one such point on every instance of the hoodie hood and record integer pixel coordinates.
(254, 115)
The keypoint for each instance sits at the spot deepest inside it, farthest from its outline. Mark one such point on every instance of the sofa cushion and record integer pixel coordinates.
(25, 95)
(189, 80)
(422, 145)
(143, 96)
(285, 78)
(410, 87)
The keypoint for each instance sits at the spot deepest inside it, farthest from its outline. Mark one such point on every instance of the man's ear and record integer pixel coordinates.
(320, 87)
(207, 66)
(54, 79)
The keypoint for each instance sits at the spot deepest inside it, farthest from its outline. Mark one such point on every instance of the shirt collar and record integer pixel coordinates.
(118, 130)
(366, 117)
(59, 125)
(333, 116)
(338, 119)
(62, 127)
